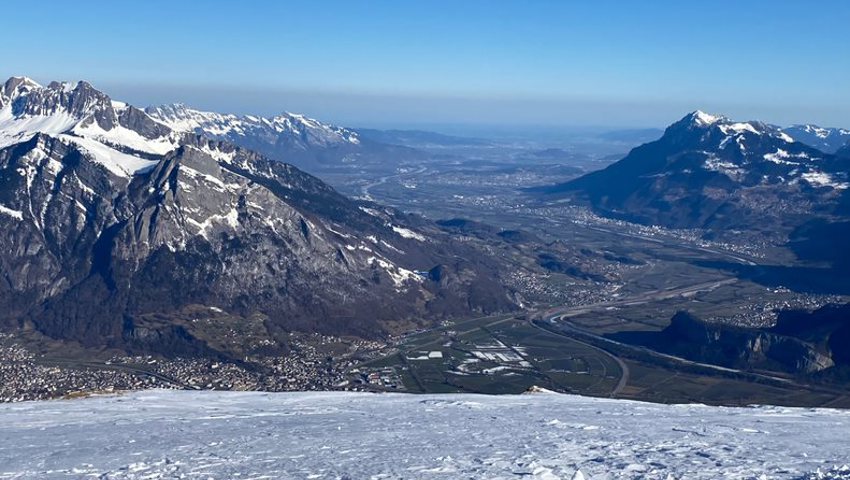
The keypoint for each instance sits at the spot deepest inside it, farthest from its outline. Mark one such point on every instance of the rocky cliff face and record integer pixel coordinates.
(742, 348)
(109, 216)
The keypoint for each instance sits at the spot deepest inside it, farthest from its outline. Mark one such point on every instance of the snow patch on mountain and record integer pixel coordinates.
(16, 214)
(820, 179)
(400, 276)
(408, 233)
(16, 129)
(229, 219)
(731, 170)
(125, 137)
(782, 157)
(738, 128)
(119, 163)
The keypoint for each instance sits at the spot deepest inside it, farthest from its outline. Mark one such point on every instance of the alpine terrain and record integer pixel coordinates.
(116, 221)
(708, 171)
(295, 138)
(828, 140)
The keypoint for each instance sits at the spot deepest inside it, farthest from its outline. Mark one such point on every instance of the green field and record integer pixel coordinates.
(505, 355)
(499, 355)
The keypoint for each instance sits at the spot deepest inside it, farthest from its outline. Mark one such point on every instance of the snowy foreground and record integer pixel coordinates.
(228, 435)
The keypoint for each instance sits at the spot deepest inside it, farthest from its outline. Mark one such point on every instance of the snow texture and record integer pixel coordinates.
(408, 233)
(16, 214)
(224, 435)
(704, 119)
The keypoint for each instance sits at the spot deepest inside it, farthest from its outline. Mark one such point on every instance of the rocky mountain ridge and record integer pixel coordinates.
(290, 137)
(825, 139)
(112, 219)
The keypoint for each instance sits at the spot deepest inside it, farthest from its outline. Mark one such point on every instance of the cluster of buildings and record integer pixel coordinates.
(23, 377)
(749, 245)
(510, 178)
(539, 288)
(307, 366)
(762, 312)
(385, 378)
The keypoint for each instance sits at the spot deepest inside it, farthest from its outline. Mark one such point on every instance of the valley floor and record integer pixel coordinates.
(335, 435)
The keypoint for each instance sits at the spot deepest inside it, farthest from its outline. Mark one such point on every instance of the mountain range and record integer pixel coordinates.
(117, 221)
(290, 137)
(121, 223)
(829, 140)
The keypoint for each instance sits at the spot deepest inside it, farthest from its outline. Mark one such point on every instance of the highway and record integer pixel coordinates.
(643, 297)
(674, 243)
(624, 369)
(365, 189)
(565, 312)
(557, 323)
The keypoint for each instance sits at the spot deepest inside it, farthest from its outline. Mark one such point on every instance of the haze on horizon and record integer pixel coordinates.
(405, 64)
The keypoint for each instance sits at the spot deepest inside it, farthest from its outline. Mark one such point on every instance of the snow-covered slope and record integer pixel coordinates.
(828, 140)
(112, 133)
(179, 434)
(292, 129)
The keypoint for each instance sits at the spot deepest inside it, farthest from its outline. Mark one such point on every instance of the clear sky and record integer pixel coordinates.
(405, 63)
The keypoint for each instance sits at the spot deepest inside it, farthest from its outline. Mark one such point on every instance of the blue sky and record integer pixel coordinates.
(405, 63)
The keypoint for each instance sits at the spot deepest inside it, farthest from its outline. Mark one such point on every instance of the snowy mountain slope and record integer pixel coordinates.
(297, 130)
(81, 115)
(710, 171)
(177, 434)
(288, 137)
(828, 140)
(112, 219)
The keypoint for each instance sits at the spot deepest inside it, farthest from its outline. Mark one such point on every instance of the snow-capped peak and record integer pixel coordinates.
(704, 119)
(79, 114)
(722, 132)
(296, 129)
(15, 87)
(754, 152)
(26, 82)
